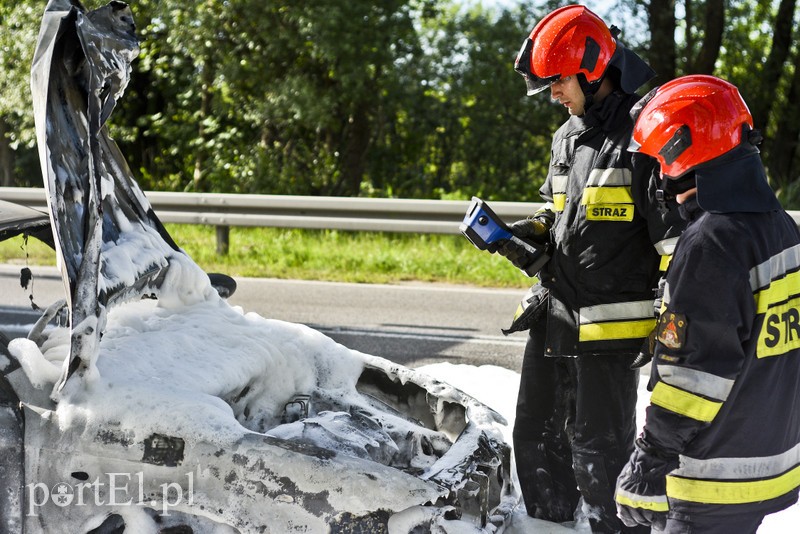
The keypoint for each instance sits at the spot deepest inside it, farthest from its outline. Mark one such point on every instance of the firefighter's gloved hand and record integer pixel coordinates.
(646, 352)
(641, 494)
(659, 300)
(649, 346)
(515, 253)
(536, 228)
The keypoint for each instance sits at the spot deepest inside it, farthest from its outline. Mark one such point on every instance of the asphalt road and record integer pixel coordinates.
(411, 324)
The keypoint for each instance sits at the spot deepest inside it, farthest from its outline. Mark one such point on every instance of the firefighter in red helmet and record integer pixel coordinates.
(720, 447)
(592, 308)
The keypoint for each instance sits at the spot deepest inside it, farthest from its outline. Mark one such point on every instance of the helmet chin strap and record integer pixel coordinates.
(670, 188)
(589, 89)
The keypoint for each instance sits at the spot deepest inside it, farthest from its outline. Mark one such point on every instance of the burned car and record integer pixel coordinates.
(153, 405)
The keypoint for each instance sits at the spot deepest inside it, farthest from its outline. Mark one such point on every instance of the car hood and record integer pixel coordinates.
(16, 220)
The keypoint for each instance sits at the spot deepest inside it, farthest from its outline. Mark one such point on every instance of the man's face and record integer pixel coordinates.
(567, 91)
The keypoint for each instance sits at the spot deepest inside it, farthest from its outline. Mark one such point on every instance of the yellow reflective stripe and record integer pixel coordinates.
(728, 492)
(559, 200)
(616, 330)
(607, 195)
(778, 291)
(655, 503)
(684, 403)
(664, 262)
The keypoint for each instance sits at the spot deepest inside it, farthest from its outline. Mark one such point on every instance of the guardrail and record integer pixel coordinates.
(287, 211)
(224, 210)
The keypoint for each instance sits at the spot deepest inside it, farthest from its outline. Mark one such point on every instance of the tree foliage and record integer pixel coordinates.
(19, 22)
(755, 44)
(404, 98)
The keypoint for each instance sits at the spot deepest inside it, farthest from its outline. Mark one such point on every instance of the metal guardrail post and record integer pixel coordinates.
(223, 240)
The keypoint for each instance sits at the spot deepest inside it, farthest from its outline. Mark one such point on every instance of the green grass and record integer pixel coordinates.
(332, 255)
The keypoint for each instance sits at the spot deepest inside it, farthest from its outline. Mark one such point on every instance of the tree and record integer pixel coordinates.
(19, 22)
(754, 45)
(704, 60)
(496, 143)
(662, 54)
(412, 98)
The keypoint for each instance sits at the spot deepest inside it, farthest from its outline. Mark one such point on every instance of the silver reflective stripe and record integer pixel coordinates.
(642, 309)
(665, 298)
(739, 468)
(612, 177)
(778, 265)
(697, 382)
(546, 206)
(665, 247)
(559, 182)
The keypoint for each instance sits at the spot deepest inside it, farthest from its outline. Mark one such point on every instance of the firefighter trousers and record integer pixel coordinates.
(574, 431)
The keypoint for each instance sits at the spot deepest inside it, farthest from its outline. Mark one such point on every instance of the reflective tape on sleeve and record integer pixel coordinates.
(778, 265)
(684, 403)
(727, 468)
(666, 247)
(559, 201)
(695, 381)
(730, 492)
(559, 185)
(656, 503)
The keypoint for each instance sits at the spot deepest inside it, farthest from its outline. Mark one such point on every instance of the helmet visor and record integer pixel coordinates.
(635, 112)
(522, 65)
(537, 85)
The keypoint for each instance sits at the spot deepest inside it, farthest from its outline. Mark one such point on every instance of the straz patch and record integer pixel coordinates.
(672, 330)
(609, 212)
(780, 332)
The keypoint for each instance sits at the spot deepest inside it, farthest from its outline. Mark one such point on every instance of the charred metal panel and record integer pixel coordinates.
(163, 450)
(81, 67)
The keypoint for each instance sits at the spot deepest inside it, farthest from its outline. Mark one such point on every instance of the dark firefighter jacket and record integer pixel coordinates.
(607, 237)
(726, 374)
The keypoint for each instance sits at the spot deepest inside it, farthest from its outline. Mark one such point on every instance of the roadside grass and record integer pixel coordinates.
(330, 255)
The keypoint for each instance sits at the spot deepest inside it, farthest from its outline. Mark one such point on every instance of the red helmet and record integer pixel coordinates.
(571, 40)
(688, 121)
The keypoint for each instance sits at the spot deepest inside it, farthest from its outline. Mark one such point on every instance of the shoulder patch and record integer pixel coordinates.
(672, 330)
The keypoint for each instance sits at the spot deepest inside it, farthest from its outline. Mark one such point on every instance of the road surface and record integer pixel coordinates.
(411, 324)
